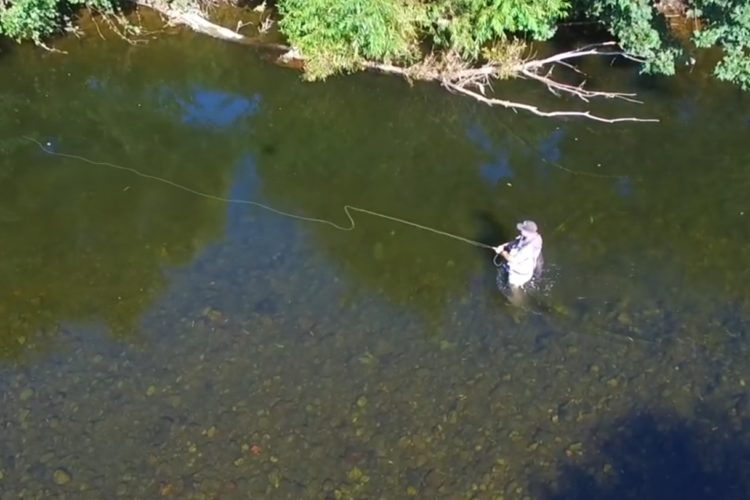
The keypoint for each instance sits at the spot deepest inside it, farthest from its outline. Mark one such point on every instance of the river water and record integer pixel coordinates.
(154, 342)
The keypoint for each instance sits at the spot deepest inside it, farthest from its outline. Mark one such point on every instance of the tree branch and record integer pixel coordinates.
(50, 49)
(535, 110)
(576, 90)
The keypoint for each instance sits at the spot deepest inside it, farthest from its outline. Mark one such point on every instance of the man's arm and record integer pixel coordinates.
(500, 250)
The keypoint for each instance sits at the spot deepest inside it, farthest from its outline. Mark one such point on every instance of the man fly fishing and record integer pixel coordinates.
(523, 256)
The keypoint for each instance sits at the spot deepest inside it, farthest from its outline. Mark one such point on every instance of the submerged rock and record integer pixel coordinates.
(26, 394)
(61, 477)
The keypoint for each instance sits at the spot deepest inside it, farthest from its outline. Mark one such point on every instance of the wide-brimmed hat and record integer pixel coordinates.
(527, 225)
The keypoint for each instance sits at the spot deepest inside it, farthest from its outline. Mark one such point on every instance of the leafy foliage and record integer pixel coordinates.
(639, 29)
(38, 19)
(469, 25)
(728, 26)
(336, 35)
(29, 19)
(642, 31)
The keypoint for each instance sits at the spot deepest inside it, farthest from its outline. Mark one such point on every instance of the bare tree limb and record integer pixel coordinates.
(535, 110)
(241, 25)
(101, 35)
(116, 28)
(50, 49)
(577, 90)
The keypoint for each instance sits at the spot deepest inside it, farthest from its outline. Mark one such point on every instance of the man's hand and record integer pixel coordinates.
(500, 248)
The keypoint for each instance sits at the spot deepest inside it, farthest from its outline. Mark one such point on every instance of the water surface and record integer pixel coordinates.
(156, 342)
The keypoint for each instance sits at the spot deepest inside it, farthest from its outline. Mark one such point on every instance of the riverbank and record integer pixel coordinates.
(451, 73)
(465, 48)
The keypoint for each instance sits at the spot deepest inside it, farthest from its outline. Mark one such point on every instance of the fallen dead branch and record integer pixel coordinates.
(534, 109)
(196, 21)
(193, 19)
(50, 49)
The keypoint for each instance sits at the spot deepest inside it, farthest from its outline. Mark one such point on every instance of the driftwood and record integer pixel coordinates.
(451, 74)
(196, 21)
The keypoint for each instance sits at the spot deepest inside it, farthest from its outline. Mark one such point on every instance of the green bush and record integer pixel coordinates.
(727, 26)
(337, 35)
(639, 30)
(642, 31)
(36, 20)
(468, 26)
(29, 19)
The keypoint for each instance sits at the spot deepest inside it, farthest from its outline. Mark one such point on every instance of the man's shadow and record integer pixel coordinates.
(492, 232)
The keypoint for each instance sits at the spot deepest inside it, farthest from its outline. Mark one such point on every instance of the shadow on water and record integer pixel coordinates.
(648, 456)
(86, 244)
(491, 230)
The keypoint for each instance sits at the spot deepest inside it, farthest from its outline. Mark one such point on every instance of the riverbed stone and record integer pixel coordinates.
(26, 394)
(61, 476)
